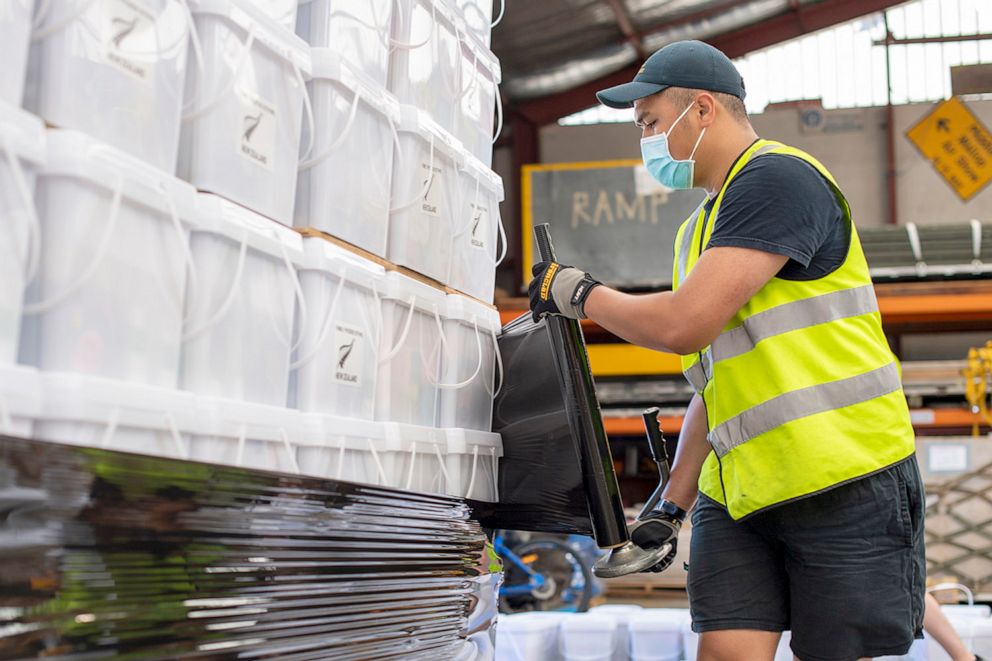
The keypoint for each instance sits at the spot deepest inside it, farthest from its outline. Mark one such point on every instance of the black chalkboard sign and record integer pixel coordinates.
(608, 218)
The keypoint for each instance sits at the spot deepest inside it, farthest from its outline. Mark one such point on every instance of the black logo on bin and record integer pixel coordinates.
(122, 28)
(344, 351)
(250, 124)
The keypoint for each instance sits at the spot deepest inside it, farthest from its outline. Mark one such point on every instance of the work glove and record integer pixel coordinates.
(559, 289)
(660, 526)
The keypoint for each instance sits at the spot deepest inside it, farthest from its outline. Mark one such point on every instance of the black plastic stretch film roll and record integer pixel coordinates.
(111, 554)
(579, 393)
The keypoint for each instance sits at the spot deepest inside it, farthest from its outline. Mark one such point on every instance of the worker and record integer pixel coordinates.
(797, 441)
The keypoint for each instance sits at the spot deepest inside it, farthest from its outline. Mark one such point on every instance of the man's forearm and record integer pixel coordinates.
(647, 320)
(692, 450)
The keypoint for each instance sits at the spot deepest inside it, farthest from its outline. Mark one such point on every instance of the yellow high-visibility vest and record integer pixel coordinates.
(802, 392)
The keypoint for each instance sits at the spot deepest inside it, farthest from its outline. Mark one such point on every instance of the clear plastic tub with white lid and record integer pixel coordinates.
(22, 152)
(480, 110)
(425, 195)
(425, 66)
(335, 363)
(472, 464)
(239, 330)
(478, 233)
(15, 38)
(244, 107)
(247, 435)
(112, 69)
(344, 185)
(409, 352)
(360, 31)
(108, 296)
(341, 448)
(116, 415)
(470, 364)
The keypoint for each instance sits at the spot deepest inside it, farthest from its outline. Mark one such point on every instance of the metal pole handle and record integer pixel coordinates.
(544, 246)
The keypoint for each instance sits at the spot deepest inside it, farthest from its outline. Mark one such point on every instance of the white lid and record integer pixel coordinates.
(658, 619)
(20, 391)
(75, 154)
(464, 441)
(398, 287)
(485, 175)
(322, 255)
(414, 120)
(248, 16)
(323, 430)
(227, 417)
(589, 623)
(463, 309)
(329, 65)
(475, 50)
(82, 398)
(218, 215)
(618, 609)
(531, 622)
(408, 435)
(22, 132)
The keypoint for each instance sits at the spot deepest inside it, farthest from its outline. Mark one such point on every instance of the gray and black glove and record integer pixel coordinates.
(559, 289)
(660, 526)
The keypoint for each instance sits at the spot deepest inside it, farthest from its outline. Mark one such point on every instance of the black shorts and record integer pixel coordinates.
(844, 570)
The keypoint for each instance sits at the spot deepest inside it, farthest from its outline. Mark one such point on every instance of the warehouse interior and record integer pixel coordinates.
(350, 329)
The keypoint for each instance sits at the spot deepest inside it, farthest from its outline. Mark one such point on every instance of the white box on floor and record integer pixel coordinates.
(239, 333)
(344, 187)
(655, 634)
(468, 364)
(529, 636)
(588, 637)
(424, 203)
(335, 364)
(472, 464)
(116, 415)
(247, 435)
(22, 152)
(114, 70)
(15, 37)
(20, 400)
(243, 111)
(282, 12)
(409, 352)
(425, 65)
(478, 234)
(360, 31)
(479, 106)
(109, 293)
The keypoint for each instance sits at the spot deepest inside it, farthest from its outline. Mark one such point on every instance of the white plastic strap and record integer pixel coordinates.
(187, 253)
(103, 246)
(406, 331)
(502, 238)
(307, 112)
(194, 38)
(444, 468)
(6, 419)
(502, 11)
(30, 263)
(224, 93)
(492, 455)
(325, 326)
(475, 466)
(290, 453)
(338, 141)
(976, 242)
(232, 293)
(940, 587)
(242, 441)
(499, 365)
(108, 433)
(394, 44)
(914, 243)
(300, 299)
(427, 184)
(340, 472)
(378, 463)
(475, 205)
(499, 116)
(413, 462)
(444, 344)
(177, 438)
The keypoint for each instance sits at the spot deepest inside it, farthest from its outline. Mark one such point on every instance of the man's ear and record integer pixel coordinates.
(705, 109)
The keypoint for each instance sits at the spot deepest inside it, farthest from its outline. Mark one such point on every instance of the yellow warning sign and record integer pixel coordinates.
(957, 144)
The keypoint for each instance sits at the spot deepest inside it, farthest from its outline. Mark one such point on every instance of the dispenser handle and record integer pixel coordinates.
(545, 248)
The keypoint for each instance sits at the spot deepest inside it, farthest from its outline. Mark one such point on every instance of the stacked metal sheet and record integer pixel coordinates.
(112, 554)
(912, 251)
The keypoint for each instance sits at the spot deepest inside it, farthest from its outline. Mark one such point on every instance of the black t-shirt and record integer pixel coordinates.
(781, 204)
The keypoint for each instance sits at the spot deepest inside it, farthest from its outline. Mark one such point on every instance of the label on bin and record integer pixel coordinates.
(257, 131)
(348, 341)
(480, 226)
(434, 193)
(129, 40)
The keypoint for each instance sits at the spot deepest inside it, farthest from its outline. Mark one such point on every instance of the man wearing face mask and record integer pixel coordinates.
(797, 449)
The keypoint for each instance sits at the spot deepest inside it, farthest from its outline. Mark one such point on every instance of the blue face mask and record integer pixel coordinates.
(669, 172)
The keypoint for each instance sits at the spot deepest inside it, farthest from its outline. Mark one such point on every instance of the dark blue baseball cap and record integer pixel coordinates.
(691, 64)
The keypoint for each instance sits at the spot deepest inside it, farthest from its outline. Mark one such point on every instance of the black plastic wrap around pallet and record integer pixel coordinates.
(107, 554)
